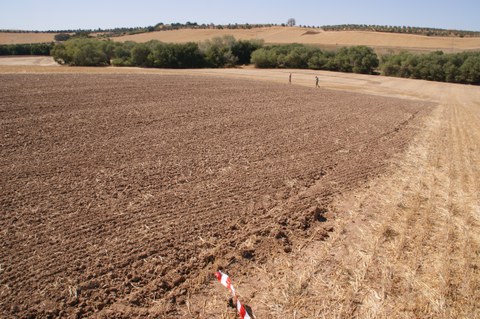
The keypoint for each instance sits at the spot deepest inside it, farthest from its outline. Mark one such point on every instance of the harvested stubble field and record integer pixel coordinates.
(382, 42)
(26, 37)
(121, 194)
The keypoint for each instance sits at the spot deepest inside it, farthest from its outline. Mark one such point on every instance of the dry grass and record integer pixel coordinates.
(17, 38)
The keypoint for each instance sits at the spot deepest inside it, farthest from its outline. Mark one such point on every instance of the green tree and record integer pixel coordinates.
(265, 58)
(319, 61)
(81, 52)
(26, 49)
(408, 65)
(298, 56)
(189, 55)
(59, 53)
(358, 59)
(435, 66)
(122, 53)
(470, 70)
(452, 67)
(177, 56)
(140, 55)
(218, 52)
(341, 61)
(243, 50)
(61, 37)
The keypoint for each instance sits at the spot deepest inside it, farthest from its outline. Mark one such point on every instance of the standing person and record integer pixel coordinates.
(316, 82)
(290, 79)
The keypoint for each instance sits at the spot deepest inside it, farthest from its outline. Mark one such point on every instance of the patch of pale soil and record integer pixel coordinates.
(27, 61)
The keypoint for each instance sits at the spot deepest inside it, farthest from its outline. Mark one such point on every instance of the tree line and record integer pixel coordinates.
(178, 26)
(120, 31)
(356, 59)
(461, 67)
(26, 49)
(226, 51)
(109, 32)
(219, 52)
(402, 29)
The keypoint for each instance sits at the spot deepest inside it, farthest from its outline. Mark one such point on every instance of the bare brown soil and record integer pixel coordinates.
(122, 194)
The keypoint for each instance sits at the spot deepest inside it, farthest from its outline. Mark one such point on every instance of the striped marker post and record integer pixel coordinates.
(225, 281)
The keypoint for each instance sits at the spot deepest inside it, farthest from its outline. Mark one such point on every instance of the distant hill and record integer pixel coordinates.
(403, 30)
(341, 27)
(381, 38)
(380, 41)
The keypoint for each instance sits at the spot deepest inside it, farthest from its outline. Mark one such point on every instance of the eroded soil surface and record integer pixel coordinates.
(122, 194)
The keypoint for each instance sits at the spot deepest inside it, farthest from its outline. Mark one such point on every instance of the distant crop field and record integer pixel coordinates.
(121, 193)
(19, 38)
(382, 42)
(330, 40)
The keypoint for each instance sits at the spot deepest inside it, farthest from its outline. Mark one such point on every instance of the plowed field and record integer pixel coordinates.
(122, 194)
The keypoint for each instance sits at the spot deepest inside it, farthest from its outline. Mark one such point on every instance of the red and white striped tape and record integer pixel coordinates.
(225, 281)
(242, 311)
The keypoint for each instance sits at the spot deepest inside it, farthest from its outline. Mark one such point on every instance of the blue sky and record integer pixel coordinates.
(89, 14)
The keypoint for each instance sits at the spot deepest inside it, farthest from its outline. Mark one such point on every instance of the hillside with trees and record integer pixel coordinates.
(402, 29)
(112, 32)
